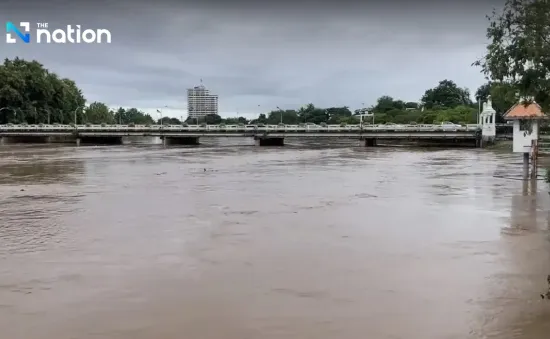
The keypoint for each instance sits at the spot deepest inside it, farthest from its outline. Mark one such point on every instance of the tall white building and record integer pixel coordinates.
(200, 102)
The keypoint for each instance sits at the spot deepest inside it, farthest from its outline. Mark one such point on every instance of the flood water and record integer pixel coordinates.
(145, 242)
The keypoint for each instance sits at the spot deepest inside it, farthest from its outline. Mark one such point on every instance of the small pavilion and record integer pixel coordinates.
(527, 117)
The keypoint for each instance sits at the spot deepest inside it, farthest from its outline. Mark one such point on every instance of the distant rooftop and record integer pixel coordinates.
(521, 111)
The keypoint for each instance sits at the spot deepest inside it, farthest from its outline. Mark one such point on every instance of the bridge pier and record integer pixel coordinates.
(370, 142)
(180, 141)
(269, 141)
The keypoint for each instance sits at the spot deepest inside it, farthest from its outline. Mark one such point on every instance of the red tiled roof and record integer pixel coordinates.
(520, 111)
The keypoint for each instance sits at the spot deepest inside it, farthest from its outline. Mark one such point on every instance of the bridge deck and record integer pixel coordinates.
(375, 131)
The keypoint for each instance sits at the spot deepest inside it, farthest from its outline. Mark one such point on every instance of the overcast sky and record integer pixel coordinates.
(254, 53)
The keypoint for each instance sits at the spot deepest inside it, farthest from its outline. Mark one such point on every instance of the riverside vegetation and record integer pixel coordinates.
(30, 93)
(518, 36)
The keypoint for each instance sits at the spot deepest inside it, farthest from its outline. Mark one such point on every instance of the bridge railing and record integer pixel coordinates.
(235, 128)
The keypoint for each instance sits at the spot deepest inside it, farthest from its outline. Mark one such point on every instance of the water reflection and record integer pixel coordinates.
(515, 309)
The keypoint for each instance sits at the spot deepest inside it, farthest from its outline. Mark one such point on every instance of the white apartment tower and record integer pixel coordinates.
(200, 102)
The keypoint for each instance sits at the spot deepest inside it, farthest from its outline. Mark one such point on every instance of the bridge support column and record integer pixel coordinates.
(268, 141)
(180, 141)
(525, 165)
(370, 142)
(77, 142)
(1, 141)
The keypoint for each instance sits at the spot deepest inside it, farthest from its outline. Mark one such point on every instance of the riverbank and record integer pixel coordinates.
(504, 145)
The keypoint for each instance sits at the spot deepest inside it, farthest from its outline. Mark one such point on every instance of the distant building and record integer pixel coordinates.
(200, 102)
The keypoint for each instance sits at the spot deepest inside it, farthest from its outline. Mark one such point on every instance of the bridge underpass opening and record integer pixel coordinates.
(431, 142)
(370, 142)
(97, 141)
(267, 141)
(27, 139)
(180, 140)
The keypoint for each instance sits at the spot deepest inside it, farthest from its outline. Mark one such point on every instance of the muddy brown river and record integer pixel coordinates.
(242, 242)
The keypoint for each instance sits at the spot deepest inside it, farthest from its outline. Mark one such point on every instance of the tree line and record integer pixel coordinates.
(30, 93)
(517, 63)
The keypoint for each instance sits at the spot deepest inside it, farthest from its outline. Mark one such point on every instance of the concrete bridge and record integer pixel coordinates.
(265, 135)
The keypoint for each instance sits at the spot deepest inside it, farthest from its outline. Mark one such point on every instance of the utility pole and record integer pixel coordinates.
(75, 114)
(279, 108)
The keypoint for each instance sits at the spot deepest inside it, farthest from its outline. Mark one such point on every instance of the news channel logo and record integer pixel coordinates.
(44, 35)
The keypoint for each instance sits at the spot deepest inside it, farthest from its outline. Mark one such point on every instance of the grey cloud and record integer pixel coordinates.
(273, 54)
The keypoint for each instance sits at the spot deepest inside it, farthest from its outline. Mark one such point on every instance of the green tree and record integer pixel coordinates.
(503, 96)
(168, 121)
(98, 113)
(262, 119)
(132, 116)
(235, 121)
(338, 115)
(30, 93)
(446, 94)
(410, 104)
(212, 119)
(483, 92)
(519, 49)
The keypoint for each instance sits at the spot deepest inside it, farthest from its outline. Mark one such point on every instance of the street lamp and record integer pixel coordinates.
(79, 107)
(279, 108)
(47, 111)
(160, 112)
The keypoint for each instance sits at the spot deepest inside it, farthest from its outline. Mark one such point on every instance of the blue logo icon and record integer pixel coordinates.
(10, 27)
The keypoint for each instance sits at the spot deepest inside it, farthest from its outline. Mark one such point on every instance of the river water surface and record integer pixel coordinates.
(145, 242)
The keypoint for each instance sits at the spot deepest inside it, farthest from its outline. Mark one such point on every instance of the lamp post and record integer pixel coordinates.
(280, 110)
(160, 112)
(47, 111)
(361, 115)
(79, 107)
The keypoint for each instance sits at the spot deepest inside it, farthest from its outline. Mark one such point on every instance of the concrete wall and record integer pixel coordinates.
(523, 138)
